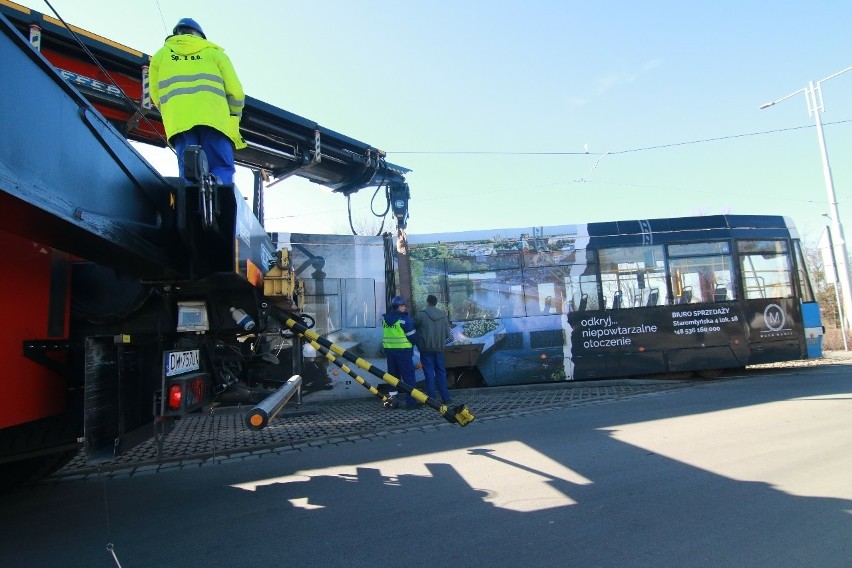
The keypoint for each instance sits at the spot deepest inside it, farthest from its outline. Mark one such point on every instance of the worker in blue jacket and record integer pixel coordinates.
(398, 339)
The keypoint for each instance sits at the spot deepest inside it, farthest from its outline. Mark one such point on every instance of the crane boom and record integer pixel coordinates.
(280, 143)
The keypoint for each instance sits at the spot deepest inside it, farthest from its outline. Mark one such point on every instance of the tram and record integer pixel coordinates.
(624, 298)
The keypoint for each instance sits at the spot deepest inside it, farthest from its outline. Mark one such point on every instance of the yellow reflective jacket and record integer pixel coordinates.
(397, 333)
(194, 83)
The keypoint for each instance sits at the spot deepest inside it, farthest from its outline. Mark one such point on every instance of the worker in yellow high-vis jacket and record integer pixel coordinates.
(398, 339)
(200, 98)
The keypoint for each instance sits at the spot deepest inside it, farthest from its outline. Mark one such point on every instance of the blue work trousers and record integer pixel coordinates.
(401, 366)
(436, 373)
(218, 147)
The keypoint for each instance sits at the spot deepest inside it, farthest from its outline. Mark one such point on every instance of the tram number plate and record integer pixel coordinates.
(180, 362)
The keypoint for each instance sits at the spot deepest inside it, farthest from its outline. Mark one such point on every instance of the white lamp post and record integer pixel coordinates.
(813, 94)
(836, 278)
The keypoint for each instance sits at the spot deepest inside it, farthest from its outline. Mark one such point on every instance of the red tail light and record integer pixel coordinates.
(175, 396)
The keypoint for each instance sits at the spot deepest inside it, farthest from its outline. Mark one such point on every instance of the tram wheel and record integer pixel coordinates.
(469, 379)
(710, 374)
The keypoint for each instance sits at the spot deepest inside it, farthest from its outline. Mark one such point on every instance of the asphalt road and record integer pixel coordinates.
(753, 471)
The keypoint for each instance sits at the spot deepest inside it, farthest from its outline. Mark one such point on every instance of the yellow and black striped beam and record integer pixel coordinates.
(458, 415)
(358, 378)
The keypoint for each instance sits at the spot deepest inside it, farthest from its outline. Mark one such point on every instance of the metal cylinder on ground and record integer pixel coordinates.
(259, 416)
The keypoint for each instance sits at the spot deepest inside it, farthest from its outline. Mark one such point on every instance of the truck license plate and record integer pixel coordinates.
(180, 362)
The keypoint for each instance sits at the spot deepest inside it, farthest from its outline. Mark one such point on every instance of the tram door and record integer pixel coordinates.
(771, 302)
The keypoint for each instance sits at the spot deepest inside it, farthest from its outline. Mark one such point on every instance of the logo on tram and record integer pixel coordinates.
(774, 318)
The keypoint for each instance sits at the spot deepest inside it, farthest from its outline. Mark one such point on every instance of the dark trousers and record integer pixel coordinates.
(435, 373)
(218, 147)
(401, 366)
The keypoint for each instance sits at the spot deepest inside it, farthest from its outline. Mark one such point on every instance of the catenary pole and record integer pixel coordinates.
(813, 93)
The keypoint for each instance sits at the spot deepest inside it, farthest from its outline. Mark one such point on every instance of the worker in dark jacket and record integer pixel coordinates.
(200, 98)
(433, 329)
(398, 339)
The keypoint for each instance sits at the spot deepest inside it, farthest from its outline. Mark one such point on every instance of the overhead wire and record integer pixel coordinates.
(585, 153)
(136, 108)
(162, 18)
(600, 155)
(106, 73)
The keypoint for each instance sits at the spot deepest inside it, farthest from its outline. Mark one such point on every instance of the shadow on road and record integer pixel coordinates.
(641, 482)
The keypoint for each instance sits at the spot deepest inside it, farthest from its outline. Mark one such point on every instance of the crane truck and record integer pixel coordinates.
(130, 299)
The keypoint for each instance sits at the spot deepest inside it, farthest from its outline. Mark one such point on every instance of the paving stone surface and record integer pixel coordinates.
(221, 434)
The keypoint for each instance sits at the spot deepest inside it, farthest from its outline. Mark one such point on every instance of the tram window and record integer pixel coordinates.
(428, 276)
(653, 297)
(561, 289)
(544, 291)
(701, 272)
(583, 293)
(359, 302)
(712, 248)
(323, 303)
(580, 280)
(476, 295)
(482, 259)
(629, 275)
(804, 279)
(561, 257)
(703, 279)
(766, 269)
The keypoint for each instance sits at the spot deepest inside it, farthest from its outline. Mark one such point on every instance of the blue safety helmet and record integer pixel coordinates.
(188, 23)
(397, 302)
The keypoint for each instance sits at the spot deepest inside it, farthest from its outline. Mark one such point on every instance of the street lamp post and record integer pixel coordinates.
(813, 94)
(836, 278)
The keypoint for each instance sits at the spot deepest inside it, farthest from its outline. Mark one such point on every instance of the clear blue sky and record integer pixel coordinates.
(492, 104)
